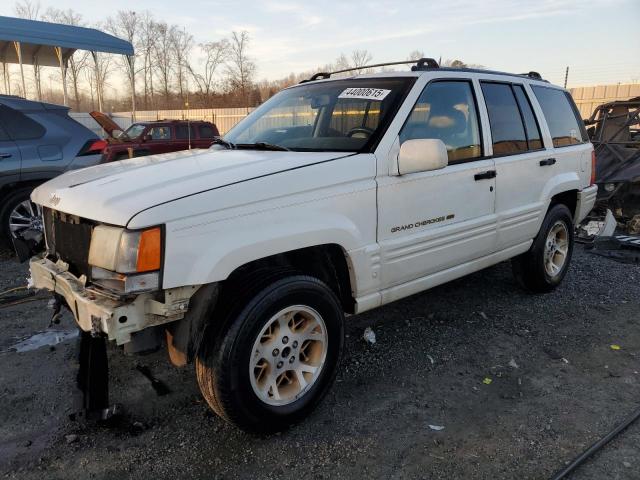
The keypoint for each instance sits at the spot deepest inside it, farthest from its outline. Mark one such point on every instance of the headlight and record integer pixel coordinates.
(609, 187)
(118, 258)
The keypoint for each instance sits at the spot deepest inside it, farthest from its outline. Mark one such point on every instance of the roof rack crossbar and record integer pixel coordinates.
(421, 64)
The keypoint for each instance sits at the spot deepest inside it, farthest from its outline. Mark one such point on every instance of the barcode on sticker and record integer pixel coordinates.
(364, 93)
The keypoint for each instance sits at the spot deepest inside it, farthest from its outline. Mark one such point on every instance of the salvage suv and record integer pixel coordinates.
(336, 196)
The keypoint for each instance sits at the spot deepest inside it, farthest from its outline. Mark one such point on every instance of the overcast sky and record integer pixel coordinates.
(598, 39)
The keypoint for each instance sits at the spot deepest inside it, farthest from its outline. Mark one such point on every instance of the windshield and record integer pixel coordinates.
(134, 130)
(342, 115)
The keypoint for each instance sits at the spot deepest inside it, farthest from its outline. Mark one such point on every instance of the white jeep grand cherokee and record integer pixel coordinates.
(334, 197)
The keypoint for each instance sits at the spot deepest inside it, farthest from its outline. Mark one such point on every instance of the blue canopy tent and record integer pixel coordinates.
(31, 42)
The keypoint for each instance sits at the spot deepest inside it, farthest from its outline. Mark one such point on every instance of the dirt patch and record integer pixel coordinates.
(520, 384)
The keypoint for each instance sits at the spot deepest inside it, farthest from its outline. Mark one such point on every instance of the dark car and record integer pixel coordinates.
(38, 141)
(149, 138)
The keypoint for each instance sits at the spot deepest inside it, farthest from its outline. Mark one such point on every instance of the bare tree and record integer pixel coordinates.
(240, 67)
(360, 58)
(163, 56)
(78, 61)
(101, 72)
(216, 54)
(127, 25)
(147, 48)
(342, 63)
(31, 11)
(416, 55)
(182, 45)
(27, 9)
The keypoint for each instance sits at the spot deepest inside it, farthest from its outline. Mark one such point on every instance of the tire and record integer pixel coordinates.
(238, 382)
(543, 267)
(10, 203)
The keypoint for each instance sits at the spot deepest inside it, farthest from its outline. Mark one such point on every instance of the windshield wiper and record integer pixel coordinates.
(224, 143)
(263, 146)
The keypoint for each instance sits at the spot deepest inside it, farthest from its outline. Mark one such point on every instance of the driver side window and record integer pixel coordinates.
(446, 110)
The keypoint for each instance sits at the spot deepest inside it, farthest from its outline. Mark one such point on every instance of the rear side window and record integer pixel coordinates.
(561, 116)
(18, 126)
(530, 124)
(446, 110)
(507, 128)
(207, 131)
(182, 132)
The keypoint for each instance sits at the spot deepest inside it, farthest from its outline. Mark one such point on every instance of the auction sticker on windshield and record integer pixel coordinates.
(363, 93)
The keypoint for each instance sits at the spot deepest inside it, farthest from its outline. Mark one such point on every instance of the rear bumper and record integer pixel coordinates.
(98, 313)
(585, 203)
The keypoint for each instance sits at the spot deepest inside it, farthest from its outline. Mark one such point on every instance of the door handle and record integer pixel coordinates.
(5, 155)
(485, 175)
(547, 162)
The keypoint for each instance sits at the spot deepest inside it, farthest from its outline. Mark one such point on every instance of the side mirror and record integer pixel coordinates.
(147, 138)
(422, 155)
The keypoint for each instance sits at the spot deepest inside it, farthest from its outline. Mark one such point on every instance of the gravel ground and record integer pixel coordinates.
(520, 384)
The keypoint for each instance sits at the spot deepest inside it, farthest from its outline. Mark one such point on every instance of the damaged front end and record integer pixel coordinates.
(110, 279)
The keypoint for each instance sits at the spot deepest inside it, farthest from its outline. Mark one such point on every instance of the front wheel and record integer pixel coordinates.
(276, 357)
(20, 214)
(543, 267)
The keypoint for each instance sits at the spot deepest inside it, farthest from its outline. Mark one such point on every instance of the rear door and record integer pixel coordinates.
(206, 134)
(523, 165)
(10, 158)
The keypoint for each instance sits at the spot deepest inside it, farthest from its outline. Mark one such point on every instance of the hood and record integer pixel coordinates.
(115, 192)
(107, 124)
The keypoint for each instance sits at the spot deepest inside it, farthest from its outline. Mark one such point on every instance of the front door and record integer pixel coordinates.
(432, 221)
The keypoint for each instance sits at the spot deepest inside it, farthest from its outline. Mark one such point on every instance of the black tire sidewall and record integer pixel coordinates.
(235, 350)
(10, 202)
(557, 213)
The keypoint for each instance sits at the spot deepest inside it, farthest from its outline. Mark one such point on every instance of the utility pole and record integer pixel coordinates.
(566, 77)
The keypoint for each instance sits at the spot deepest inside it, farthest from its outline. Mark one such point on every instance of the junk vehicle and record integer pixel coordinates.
(614, 129)
(150, 138)
(334, 197)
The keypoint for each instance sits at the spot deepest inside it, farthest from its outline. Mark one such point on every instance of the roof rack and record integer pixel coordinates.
(422, 64)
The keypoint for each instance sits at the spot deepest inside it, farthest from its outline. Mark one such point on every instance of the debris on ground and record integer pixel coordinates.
(615, 347)
(513, 364)
(487, 380)
(369, 336)
(71, 438)
(437, 428)
(621, 248)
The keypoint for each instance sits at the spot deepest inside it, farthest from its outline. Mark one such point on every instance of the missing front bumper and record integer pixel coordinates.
(97, 313)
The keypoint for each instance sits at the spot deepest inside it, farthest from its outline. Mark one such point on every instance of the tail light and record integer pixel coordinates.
(92, 147)
(593, 167)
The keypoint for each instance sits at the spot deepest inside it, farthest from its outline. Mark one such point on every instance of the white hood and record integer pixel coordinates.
(115, 192)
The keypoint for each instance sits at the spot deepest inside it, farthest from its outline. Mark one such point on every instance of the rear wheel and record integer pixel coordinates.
(543, 267)
(276, 356)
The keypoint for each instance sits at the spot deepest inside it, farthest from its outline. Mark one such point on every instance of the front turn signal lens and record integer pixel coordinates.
(593, 167)
(149, 250)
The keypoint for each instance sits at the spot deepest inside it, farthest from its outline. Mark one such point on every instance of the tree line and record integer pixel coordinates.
(169, 70)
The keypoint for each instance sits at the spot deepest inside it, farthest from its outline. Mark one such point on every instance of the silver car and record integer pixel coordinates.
(38, 141)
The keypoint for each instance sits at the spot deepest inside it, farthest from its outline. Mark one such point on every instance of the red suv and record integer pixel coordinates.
(149, 138)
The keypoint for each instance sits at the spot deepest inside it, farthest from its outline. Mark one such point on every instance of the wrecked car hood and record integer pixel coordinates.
(115, 192)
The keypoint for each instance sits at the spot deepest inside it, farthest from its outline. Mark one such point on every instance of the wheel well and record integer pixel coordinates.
(9, 188)
(568, 198)
(325, 262)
